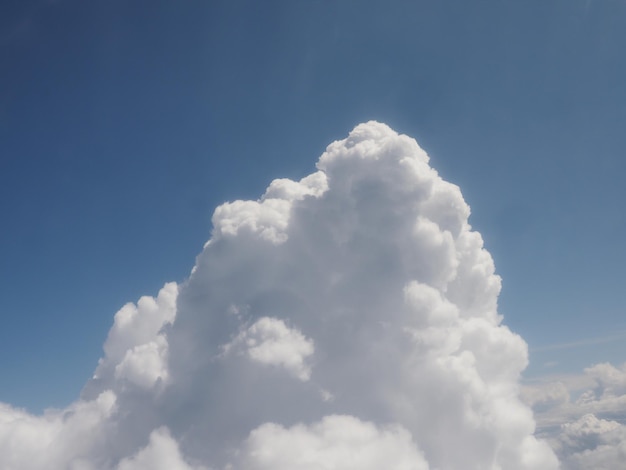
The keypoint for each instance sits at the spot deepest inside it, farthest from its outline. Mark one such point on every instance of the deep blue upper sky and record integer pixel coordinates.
(123, 124)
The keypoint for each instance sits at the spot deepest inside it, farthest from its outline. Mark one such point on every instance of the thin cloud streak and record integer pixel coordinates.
(580, 343)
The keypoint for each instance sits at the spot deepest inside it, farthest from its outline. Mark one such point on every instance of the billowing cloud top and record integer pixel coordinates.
(345, 321)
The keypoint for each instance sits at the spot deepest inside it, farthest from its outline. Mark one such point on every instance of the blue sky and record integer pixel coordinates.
(124, 123)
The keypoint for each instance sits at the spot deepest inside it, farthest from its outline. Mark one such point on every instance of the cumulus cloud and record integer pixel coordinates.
(600, 390)
(270, 341)
(582, 416)
(136, 348)
(346, 320)
(592, 443)
(162, 453)
(334, 443)
(59, 439)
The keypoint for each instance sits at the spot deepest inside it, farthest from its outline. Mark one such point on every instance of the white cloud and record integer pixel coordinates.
(139, 324)
(583, 416)
(60, 439)
(136, 348)
(270, 341)
(592, 443)
(161, 453)
(334, 443)
(610, 381)
(143, 365)
(363, 282)
(269, 217)
(600, 390)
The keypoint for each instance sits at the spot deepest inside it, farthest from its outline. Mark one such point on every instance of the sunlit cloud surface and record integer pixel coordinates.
(344, 321)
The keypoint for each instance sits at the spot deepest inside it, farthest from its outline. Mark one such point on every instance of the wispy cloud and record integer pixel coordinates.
(618, 336)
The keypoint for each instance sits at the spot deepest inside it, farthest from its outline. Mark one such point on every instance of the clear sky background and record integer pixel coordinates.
(124, 123)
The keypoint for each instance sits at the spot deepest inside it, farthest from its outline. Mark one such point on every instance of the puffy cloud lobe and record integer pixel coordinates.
(334, 443)
(270, 341)
(138, 324)
(59, 439)
(269, 217)
(346, 320)
(162, 453)
(136, 347)
(143, 365)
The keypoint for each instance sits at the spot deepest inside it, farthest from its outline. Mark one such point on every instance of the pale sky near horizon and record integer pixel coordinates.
(123, 124)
